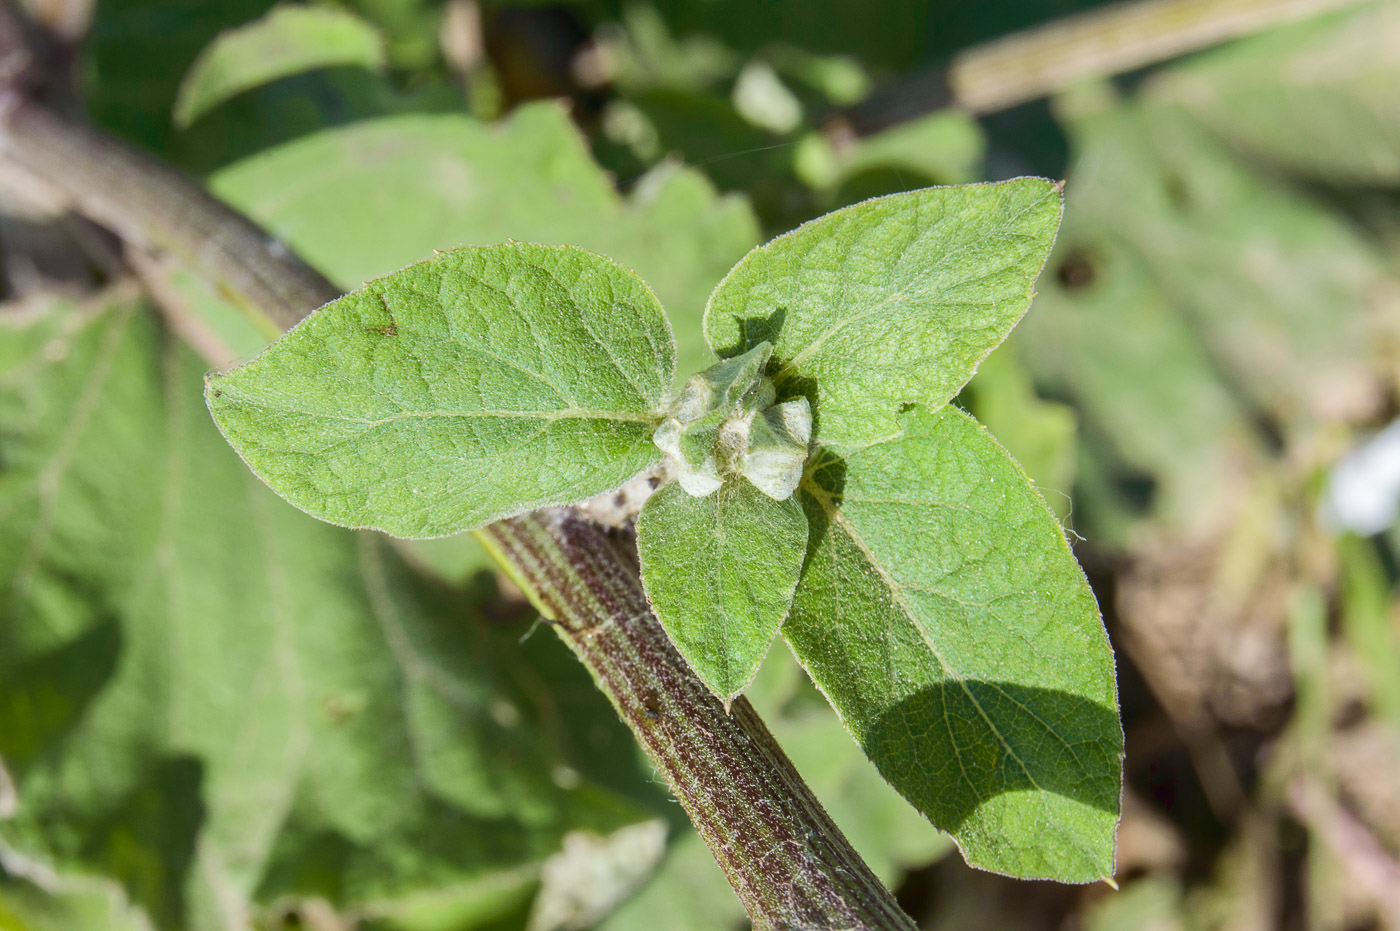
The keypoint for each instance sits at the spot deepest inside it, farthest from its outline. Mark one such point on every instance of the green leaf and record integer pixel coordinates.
(1114, 345)
(890, 301)
(220, 701)
(1188, 294)
(288, 40)
(66, 904)
(1254, 266)
(941, 612)
(481, 383)
(719, 572)
(1039, 434)
(364, 200)
(946, 147)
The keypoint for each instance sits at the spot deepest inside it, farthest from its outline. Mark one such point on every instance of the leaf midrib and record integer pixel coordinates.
(644, 417)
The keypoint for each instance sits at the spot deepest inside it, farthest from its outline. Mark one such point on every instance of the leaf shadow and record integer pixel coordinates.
(149, 840)
(45, 699)
(754, 330)
(952, 746)
(825, 475)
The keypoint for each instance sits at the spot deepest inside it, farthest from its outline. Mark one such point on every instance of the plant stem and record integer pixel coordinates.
(154, 208)
(1110, 40)
(787, 860)
(789, 863)
(1049, 58)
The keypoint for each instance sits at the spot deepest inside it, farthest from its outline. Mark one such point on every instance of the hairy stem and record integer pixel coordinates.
(789, 863)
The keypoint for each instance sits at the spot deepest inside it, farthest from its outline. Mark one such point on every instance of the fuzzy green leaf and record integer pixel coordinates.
(362, 200)
(720, 572)
(481, 383)
(890, 301)
(288, 40)
(943, 615)
(224, 704)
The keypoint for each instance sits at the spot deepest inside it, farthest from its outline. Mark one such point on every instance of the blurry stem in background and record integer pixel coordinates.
(1047, 59)
(787, 860)
(1038, 62)
(153, 208)
(148, 204)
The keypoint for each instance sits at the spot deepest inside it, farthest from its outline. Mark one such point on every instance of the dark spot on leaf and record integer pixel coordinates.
(392, 327)
(1178, 193)
(1077, 271)
(1271, 429)
(1136, 490)
(906, 407)
(216, 393)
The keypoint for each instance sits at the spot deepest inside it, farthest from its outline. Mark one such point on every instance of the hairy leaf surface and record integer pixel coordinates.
(481, 383)
(943, 615)
(363, 200)
(719, 572)
(218, 700)
(360, 201)
(891, 301)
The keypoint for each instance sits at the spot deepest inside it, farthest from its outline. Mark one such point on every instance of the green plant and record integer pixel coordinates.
(823, 484)
(217, 712)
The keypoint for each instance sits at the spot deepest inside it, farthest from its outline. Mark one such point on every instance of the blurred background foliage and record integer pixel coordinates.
(216, 713)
